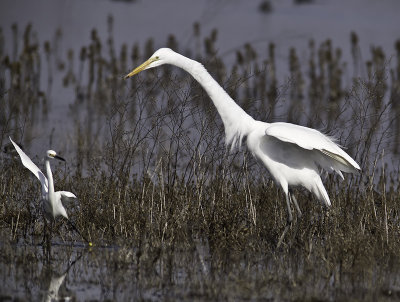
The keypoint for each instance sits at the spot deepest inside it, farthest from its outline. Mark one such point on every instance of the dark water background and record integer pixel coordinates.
(238, 22)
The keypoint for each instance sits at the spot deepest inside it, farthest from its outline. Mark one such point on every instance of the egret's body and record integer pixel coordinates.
(292, 154)
(52, 201)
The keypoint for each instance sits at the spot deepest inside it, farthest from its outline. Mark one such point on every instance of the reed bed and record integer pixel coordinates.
(154, 178)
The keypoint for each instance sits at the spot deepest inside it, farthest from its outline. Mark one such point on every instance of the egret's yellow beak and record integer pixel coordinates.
(140, 68)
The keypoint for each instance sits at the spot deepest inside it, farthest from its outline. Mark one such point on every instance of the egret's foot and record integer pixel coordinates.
(296, 205)
(283, 235)
(287, 227)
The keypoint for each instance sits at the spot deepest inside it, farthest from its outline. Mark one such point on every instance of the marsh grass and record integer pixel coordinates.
(190, 218)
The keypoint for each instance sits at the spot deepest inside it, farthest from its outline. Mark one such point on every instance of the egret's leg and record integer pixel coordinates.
(290, 218)
(283, 235)
(46, 244)
(44, 231)
(73, 226)
(51, 232)
(293, 198)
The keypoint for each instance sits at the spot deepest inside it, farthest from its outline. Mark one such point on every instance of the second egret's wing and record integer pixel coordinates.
(66, 195)
(26, 161)
(64, 198)
(311, 139)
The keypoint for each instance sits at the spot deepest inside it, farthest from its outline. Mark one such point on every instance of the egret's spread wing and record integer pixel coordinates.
(311, 139)
(63, 198)
(65, 195)
(26, 161)
(304, 137)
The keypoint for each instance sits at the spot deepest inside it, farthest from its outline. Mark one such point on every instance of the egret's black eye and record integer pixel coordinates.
(157, 57)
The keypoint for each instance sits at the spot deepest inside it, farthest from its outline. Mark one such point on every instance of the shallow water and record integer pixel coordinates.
(238, 22)
(75, 272)
(191, 272)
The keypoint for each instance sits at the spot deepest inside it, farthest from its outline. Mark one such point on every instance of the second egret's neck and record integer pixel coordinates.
(237, 122)
(49, 178)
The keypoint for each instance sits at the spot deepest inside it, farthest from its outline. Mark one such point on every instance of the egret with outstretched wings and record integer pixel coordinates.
(52, 201)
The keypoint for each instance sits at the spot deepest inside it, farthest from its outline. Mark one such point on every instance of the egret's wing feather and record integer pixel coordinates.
(335, 157)
(66, 195)
(304, 137)
(311, 139)
(63, 198)
(27, 162)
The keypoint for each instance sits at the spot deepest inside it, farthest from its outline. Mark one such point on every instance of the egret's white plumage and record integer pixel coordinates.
(292, 154)
(52, 201)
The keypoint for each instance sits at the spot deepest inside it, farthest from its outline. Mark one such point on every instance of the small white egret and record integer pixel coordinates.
(292, 154)
(52, 201)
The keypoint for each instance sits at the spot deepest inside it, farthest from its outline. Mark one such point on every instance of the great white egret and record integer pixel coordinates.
(52, 201)
(292, 154)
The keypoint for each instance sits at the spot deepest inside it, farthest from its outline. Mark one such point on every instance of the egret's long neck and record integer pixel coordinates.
(237, 122)
(49, 178)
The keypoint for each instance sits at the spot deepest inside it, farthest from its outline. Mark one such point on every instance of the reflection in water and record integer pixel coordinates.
(54, 287)
(197, 271)
(26, 272)
(54, 278)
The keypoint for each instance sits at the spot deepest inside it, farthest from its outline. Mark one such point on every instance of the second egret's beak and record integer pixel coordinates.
(141, 67)
(59, 158)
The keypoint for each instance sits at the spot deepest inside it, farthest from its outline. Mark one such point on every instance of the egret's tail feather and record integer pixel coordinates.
(320, 192)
